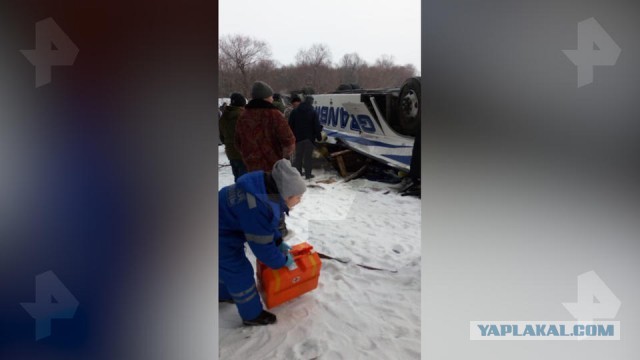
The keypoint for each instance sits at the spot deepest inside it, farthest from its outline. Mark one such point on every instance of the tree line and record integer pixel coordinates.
(243, 60)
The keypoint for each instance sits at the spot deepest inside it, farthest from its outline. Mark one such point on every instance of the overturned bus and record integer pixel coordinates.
(377, 123)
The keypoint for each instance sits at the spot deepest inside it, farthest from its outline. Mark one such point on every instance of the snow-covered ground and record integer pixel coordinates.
(355, 313)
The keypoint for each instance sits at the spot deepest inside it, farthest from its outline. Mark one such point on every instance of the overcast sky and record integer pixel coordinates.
(369, 27)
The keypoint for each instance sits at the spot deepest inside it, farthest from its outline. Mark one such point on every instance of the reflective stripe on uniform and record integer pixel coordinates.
(251, 201)
(243, 293)
(235, 195)
(247, 299)
(237, 297)
(259, 239)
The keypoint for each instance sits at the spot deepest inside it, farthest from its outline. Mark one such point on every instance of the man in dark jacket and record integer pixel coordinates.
(262, 134)
(249, 211)
(228, 134)
(306, 127)
(295, 101)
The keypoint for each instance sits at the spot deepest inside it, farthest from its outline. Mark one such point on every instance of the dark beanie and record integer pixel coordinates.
(288, 179)
(261, 90)
(238, 100)
(295, 98)
(308, 99)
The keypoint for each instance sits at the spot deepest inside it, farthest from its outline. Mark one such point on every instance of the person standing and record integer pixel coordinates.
(228, 134)
(262, 134)
(295, 101)
(277, 101)
(222, 108)
(413, 187)
(306, 128)
(249, 212)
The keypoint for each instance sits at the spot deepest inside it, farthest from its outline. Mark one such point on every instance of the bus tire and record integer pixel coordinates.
(409, 109)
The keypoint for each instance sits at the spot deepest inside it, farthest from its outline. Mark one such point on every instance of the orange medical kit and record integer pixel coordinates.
(284, 284)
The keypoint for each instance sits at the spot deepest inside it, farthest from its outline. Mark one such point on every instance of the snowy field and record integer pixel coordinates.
(355, 313)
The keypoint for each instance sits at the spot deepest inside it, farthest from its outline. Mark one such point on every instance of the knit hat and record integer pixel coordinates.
(261, 90)
(237, 99)
(295, 98)
(308, 99)
(288, 179)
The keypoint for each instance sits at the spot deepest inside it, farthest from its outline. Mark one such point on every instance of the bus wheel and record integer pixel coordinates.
(410, 106)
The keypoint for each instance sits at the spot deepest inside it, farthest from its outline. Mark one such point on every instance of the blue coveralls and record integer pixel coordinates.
(247, 214)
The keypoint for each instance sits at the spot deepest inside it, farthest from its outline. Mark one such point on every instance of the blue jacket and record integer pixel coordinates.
(246, 213)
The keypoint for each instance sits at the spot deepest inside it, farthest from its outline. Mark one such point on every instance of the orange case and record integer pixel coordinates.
(282, 285)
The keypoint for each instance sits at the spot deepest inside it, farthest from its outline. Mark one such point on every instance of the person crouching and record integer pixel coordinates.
(250, 211)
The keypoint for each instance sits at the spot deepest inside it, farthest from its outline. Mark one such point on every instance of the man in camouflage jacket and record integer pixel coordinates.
(227, 134)
(277, 101)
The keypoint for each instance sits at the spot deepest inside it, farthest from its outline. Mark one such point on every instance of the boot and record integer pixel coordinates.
(265, 318)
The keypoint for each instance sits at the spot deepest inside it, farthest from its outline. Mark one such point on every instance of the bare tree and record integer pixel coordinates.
(263, 70)
(243, 53)
(315, 64)
(385, 61)
(243, 60)
(350, 66)
(317, 55)
(385, 73)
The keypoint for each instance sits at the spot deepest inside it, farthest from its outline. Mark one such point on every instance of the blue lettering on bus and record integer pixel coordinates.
(354, 124)
(344, 118)
(366, 124)
(317, 110)
(323, 114)
(334, 117)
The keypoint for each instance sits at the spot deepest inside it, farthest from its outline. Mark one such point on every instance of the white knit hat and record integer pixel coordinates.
(288, 179)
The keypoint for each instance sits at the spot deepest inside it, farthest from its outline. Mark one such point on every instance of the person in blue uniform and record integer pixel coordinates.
(249, 212)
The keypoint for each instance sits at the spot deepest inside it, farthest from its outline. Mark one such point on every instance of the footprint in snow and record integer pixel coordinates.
(300, 314)
(309, 349)
(398, 249)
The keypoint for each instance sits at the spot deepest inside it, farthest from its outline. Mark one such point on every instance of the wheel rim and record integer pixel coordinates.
(410, 104)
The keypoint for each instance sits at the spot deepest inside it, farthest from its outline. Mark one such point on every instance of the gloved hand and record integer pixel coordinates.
(284, 248)
(289, 260)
